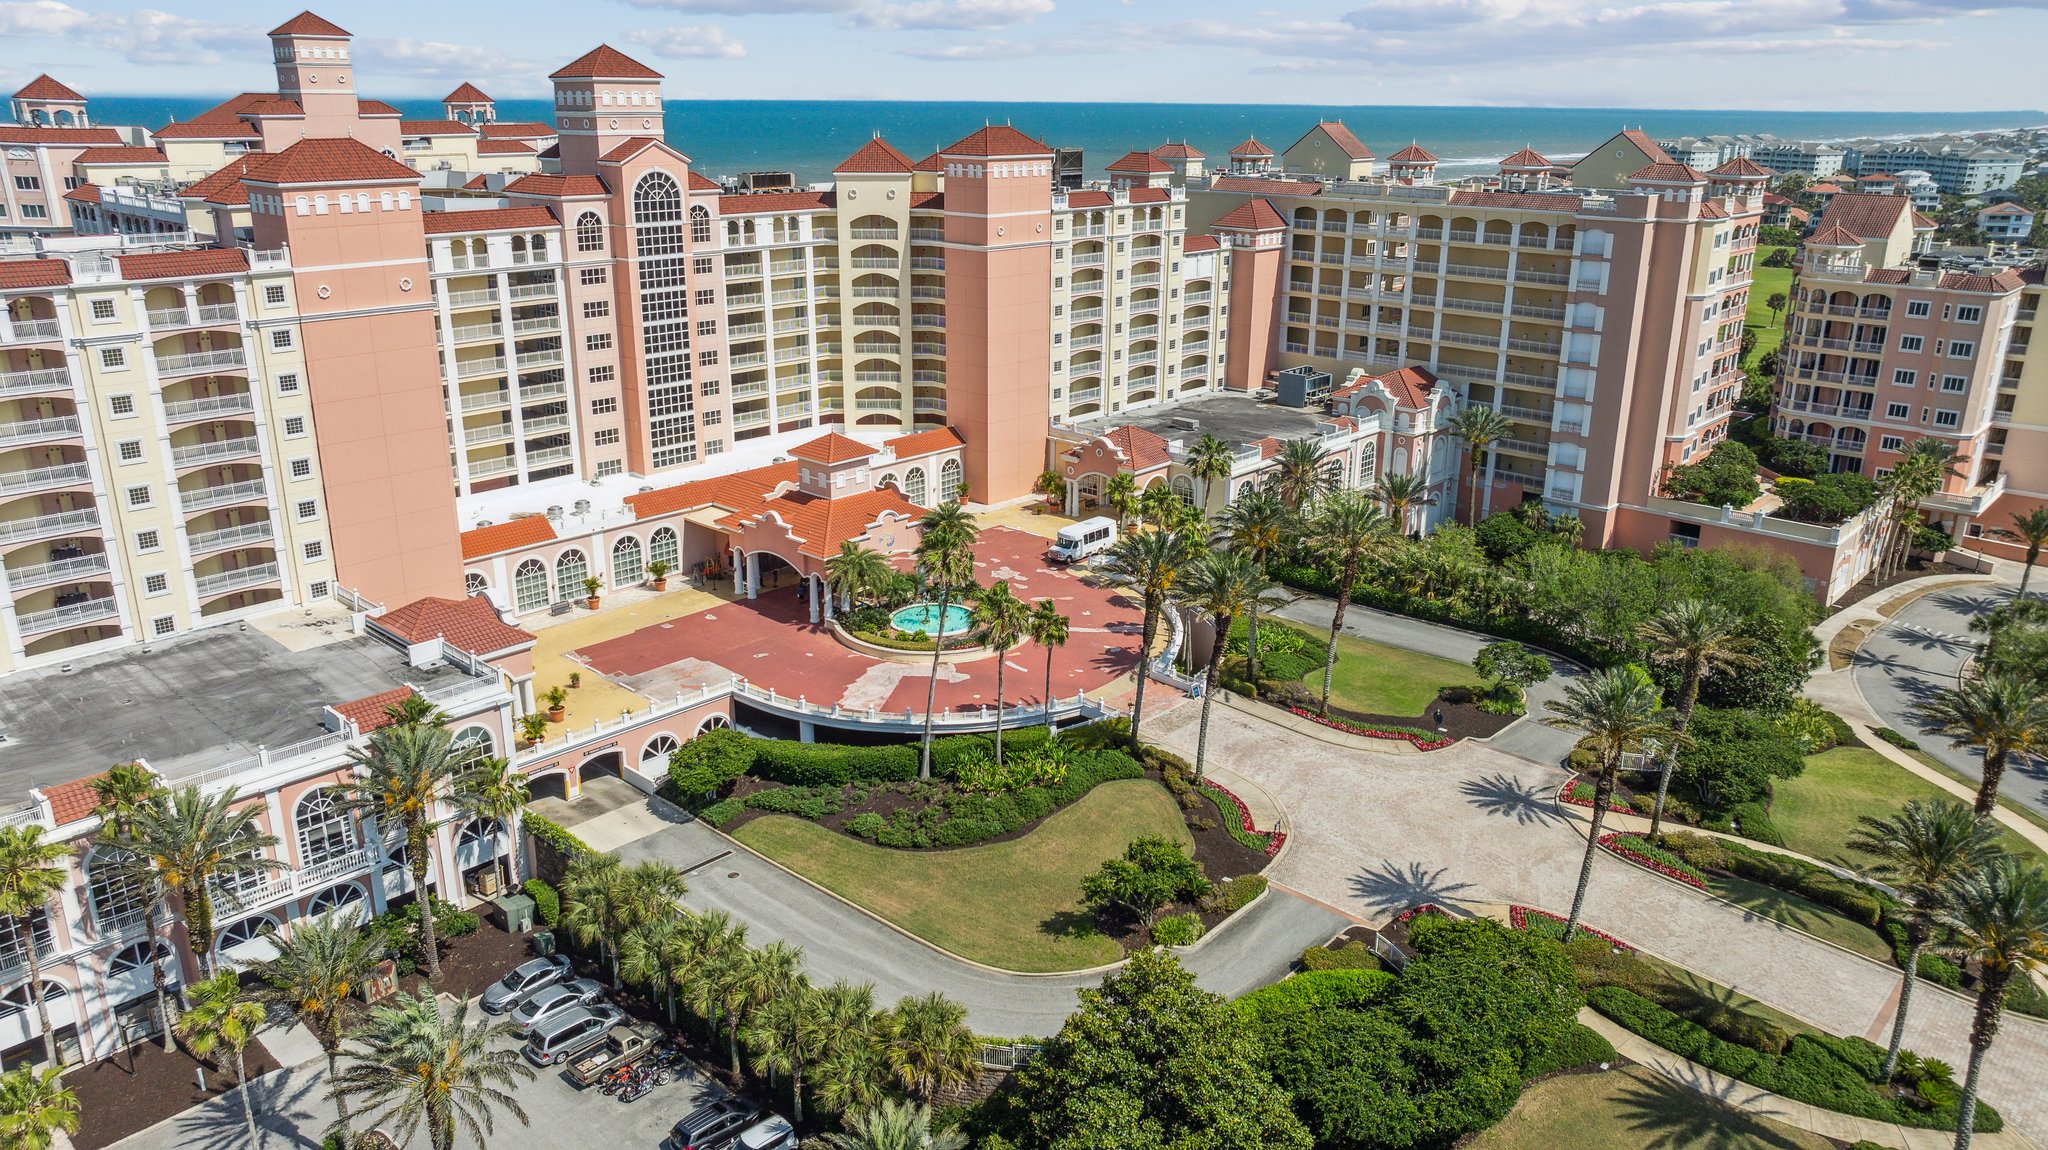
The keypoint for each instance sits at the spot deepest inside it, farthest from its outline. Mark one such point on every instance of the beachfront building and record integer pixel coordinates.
(1960, 165)
(1816, 161)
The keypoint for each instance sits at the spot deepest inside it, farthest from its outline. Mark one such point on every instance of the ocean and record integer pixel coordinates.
(808, 137)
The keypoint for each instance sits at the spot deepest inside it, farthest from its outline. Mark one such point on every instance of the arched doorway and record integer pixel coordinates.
(551, 785)
(611, 764)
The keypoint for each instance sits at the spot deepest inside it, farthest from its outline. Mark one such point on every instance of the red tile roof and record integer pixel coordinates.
(1865, 217)
(504, 148)
(1835, 236)
(1253, 216)
(372, 712)
(1923, 223)
(1266, 187)
(329, 161)
(831, 447)
(1522, 201)
(180, 265)
(747, 204)
(997, 140)
(377, 108)
(525, 531)
(1180, 151)
(34, 273)
(1089, 198)
(72, 801)
(1142, 163)
(2005, 281)
(876, 156)
(1412, 154)
(470, 624)
(84, 194)
(740, 490)
(1410, 385)
(45, 88)
(928, 201)
(518, 130)
(59, 137)
(1197, 244)
(1339, 135)
(557, 187)
(1647, 146)
(468, 93)
(1142, 450)
(1251, 147)
(924, 442)
(119, 156)
(477, 184)
(1148, 195)
(434, 128)
(224, 186)
(1742, 168)
(231, 108)
(2006, 210)
(931, 163)
(276, 108)
(1662, 172)
(1526, 158)
(208, 130)
(704, 184)
(307, 24)
(821, 523)
(604, 62)
(1712, 210)
(633, 146)
(524, 216)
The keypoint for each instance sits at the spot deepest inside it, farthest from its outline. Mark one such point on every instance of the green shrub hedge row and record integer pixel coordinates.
(722, 812)
(1597, 965)
(711, 760)
(555, 836)
(1896, 739)
(2022, 997)
(1353, 955)
(1580, 1046)
(547, 905)
(962, 818)
(1833, 1073)
(1846, 897)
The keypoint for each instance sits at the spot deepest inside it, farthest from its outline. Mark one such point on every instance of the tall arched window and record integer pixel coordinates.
(657, 199)
(471, 743)
(570, 569)
(700, 225)
(344, 900)
(914, 486)
(474, 583)
(949, 481)
(664, 547)
(626, 567)
(118, 899)
(589, 233)
(530, 586)
(1243, 489)
(324, 827)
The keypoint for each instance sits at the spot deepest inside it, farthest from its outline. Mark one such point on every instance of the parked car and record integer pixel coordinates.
(713, 1125)
(771, 1133)
(570, 1033)
(516, 987)
(549, 1001)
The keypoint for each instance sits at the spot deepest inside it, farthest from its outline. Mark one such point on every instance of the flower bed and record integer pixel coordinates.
(1251, 836)
(1418, 909)
(1518, 918)
(1580, 794)
(1634, 849)
(1423, 740)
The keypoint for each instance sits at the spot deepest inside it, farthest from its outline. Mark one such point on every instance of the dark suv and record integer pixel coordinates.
(713, 1125)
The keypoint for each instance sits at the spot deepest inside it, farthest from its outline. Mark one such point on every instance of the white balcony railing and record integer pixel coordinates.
(76, 569)
(43, 478)
(193, 454)
(40, 379)
(240, 535)
(188, 362)
(235, 403)
(66, 617)
(37, 430)
(44, 526)
(223, 494)
(223, 582)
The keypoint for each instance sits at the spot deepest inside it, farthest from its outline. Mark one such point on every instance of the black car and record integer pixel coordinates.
(713, 1125)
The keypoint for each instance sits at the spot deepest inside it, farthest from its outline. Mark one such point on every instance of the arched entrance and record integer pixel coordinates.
(551, 785)
(606, 764)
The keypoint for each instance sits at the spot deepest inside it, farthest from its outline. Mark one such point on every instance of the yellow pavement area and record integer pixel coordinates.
(621, 613)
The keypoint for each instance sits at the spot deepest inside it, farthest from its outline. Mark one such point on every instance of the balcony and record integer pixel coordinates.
(749, 359)
(1197, 297)
(927, 376)
(877, 404)
(935, 349)
(1478, 306)
(1091, 260)
(205, 315)
(478, 332)
(928, 406)
(537, 325)
(531, 291)
(927, 263)
(479, 400)
(480, 297)
(1539, 415)
(1085, 342)
(749, 389)
(1476, 271)
(496, 465)
(546, 357)
(39, 430)
(737, 300)
(489, 433)
(878, 377)
(44, 478)
(237, 403)
(38, 380)
(929, 322)
(744, 419)
(223, 495)
(1532, 311)
(549, 456)
(1085, 395)
(795, 354)
(787, 267)
(189, 363)
(1530, 276)
(45, 526)
(228, 538)
(74, 570)
(66, 617)
(478, 368)
(789, 295)
(36, 330)
(213, 451)
(544, 425)
(1086, 314)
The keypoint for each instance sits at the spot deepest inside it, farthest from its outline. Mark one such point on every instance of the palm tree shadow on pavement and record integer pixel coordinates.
(291, 1109)
(1670, 1115)
(1500, 794)
(1391, 887)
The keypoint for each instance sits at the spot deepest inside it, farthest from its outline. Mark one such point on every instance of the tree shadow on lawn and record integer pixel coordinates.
(1500, 794)
(1671, 1115)
(1069, 925)
(1391, 887)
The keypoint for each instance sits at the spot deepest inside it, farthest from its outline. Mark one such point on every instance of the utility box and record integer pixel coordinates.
(1302, 386)
(515, 912)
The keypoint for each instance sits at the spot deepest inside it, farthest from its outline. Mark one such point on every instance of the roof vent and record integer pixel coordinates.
(646, 487)
(485, 522)
(583, 507)
(555, 513)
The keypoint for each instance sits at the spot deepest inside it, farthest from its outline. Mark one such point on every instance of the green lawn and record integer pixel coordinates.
(1817, 811)
(1765, 282)
(1811, 917)
(1376, 679)
(2027, 813)
(1631, 1109)
(1015, 905)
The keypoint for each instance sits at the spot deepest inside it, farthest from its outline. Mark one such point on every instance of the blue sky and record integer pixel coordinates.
(1891, 55)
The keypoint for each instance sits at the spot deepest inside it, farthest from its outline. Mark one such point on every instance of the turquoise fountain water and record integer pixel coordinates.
(925, 617)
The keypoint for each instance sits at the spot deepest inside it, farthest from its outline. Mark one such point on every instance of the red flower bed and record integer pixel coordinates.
(1564, 795)
(1518, 917)
(1273, 838)
(1648, 863)
(1423, 742)
(1419, 909)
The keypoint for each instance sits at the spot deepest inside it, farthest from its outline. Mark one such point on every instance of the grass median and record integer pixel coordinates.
(1817, 811)
(1630, 1109)
(1375, 679)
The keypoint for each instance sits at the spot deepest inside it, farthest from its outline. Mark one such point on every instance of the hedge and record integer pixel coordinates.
(547, 905)
(713, 759)
(1846, 897)
(543, 830)
(722, 812)
(1580, 1046)
(1903, 742)
(1833, 1073)
(1234, 894)
(1353, 955)
(965, 818)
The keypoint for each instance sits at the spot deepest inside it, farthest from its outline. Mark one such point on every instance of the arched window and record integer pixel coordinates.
(1184, 486)
(346, 899)
(570, 568)
(1243, 489)
(472, 743)
(626, 568)
(118, 900)
(135, 956)
(589, 233)
(1368, 465)
(530, 586)
(657, 199)
(712, 723)
(17, 1001)
(700, 225)
(474, 583)
(654, 756)
(244, 932)
(913, 486)
(324, 828)
(14, 940)
(889, 479)
(480, 834)
(949, 481)
(663, 547)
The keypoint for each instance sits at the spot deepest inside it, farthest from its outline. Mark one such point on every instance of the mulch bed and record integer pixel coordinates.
(116, 1100)
(1916, 566)
(474, 961)
(1462, 718)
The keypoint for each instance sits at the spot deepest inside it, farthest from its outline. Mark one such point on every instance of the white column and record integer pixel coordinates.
(826, 588)
(753, 574)
(811, 585)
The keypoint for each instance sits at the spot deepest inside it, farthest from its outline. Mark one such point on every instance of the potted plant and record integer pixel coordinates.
(534, 727)
(556, 698)
(657, 572)
(575, 679)
(591, 586)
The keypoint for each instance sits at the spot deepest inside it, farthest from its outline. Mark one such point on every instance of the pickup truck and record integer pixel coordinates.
(623, 1046)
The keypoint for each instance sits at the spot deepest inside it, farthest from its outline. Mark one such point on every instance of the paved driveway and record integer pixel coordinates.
(1919, 652)
(1375, 832)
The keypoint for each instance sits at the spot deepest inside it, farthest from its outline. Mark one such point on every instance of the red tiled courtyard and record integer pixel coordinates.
(771, 642)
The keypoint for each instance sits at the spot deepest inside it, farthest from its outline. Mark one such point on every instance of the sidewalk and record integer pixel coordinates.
(1871, 609)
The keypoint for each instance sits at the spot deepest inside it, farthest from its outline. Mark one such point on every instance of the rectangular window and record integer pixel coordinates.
(317, 590)
(604, 406)
(1969, 314)
(163, 625)
(1962, 349)
(1905, 377)
(1892, 442)
(1898, 411)
(131, 450)
(295, 425)
(604, 374)
(1947, 418)
(102, 309)
(316, 549)
(148, 541)
(34, 212)
(28, 183)
(706, 297)
(308, 509)
(114, 358)
(138, 497)
(288, 383)
(1955, 383)
(591, 277)
(707, 327)
(715, 447)
(273, 295)
(121, 404)
(597, 309)
(302, 469)
(156, 583)
(609, 467)
(1911, 343)
(598, 342)
(707, 358)
(701, 266)
(1919, 309)
(713, 418)
(281, 338)
(708, 387)
(606, 437)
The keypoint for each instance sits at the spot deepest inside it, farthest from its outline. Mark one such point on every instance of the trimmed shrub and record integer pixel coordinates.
(812, 803)
(1817, 728)
(547, 905)
(866, 826)
(1177, 929)
(555, 836)
(1752, 820)
(1580, 1046)
(1234, 894)
(1844, 896)
(1353, 955)
(1895, 739)
(722, 812)
(1335, 989)
(702, 767)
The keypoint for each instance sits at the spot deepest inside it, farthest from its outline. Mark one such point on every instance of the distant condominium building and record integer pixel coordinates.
(1960, 165)
(1815, 160)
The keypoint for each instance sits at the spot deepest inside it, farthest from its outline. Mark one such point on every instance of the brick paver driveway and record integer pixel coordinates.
(1375, 832)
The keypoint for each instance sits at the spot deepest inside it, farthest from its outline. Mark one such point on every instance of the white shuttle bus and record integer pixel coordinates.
(1080, 540)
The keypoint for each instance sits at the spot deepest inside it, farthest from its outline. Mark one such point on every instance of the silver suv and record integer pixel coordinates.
(570, 1033)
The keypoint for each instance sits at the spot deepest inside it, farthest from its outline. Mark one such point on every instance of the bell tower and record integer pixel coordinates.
(315, 70)
(602, 99)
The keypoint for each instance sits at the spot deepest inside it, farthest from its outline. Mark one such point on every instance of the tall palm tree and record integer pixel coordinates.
(1926, 464)
(1221, 585)
(929, 1045)
(718, 947)
(1158, 503)
(1346, 528)
(593, 888)
(32, 872)
(655, 954)
(120, 793)
(1614, 712)
(414, 711)
(1120, 495)
(417, 1068)
(1401, 492)
(1920, 851)
(851, 1071)
(945, 563)
(1047, 628)
(1053, 487)
(34, 1106)
(1997, 916)
(2032, 528)
(1700, 638)
(491, 788)
(1301, 473)
(1208, 462)
(400, 779)
(786, 1035)
(2001, 714)
(1256, 524)
(1150, 561)
(858, 573)
(1002, 620)
(895, 1125)
(1480, 428)
(190, 839)
(755, 980)
(315, 977)
(221, 1018)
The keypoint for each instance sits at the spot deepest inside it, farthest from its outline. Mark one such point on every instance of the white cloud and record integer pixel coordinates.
(1002, 49)
(146, 37)
(432, 59)
(951, 14)
(700, 41)
(751, 7)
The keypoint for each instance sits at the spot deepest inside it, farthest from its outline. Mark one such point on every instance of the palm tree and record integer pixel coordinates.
(1053, 487)
(760, 977)
(1402, 492)
(1047, 628)
(414, 711)
(1159, 503)
(895, 1125)
(2032, 528)
(32, 872)
(120, 793)
(417, 1068)
(1920, 472)
(2001, 714)
(851, 1071)
(222, 1019)
(945, 562)
(190, 839)
(1997, 916)
(401, 777)
(1208, 462)
(592, 890)
(1150, 561)
(717, 946)
(929, 1044)
(1120, 495)
(858, 573)
(1301, 473)
(1615, 712)
(1700, 637)
(1002, 620)
(34, 1106)
(655, 954)
(1480, 427)
(491, 788)
(314, 978)
(1346, 528)
(1922, 849)
(786, 1035)
(1256, 524)
(1221, 585)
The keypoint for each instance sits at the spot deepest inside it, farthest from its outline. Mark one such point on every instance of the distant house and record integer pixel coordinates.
(2006, 222)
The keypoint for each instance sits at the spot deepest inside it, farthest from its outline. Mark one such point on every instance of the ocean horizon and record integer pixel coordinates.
(809, 137)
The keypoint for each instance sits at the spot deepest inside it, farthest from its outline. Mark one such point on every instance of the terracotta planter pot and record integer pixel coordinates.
(557, 714)
(661, 584)
(591, 602)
